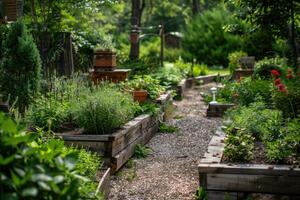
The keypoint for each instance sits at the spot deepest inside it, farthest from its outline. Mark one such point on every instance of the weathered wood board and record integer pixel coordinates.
(237, 179)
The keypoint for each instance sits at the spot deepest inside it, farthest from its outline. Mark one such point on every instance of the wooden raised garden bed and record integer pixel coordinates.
(236, 180)
(117, 148)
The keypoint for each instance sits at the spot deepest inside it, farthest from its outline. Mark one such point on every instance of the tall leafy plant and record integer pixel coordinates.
(210, 37)
(20, 77)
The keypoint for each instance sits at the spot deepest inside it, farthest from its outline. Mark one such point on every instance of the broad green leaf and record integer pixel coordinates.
(31, 191)
(58, 179)
(5, 161)
(41, 177)
(44, 185)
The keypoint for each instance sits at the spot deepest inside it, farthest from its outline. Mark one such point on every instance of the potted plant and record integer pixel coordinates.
(105, 56)
(137, 88)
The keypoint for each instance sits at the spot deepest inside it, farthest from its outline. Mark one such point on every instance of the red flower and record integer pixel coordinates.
(289, 76)
(277, 81)
(275, 73)
(281, 88)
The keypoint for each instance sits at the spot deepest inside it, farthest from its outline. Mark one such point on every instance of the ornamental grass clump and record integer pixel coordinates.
(103, 110)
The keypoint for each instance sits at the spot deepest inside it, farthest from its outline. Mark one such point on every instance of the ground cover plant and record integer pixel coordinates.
(34, 166)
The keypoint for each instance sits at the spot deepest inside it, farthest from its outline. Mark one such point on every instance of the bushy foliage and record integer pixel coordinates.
(256, 120)
(264, 71)
(234, 59)
(239, 146)
(52, 106)
(169, 76)
(47, 112)
(207, 39)
(32, 167)
(250, 89)
(145, 82)
(3, 33)
(103, 110)
(141, 151)
(288, 102)
(20, 70)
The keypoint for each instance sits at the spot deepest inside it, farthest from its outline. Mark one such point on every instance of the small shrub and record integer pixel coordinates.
(286, 148)
(239, 146)
(201, 194)
(147, 108)
(169, 76)
(264, 71)
(33, 167)
(234, 59)
(164, 128)
(288, 102)
(145, 82)
(103, 110)
(47, 112)
(141, 151)
(200, 70)
(249, 90)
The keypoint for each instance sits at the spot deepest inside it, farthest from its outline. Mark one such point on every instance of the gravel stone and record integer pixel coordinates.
(170, 171)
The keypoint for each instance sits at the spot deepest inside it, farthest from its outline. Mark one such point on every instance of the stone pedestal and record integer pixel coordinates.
(218, 109)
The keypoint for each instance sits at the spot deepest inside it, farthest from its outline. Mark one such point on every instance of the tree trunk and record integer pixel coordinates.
(196, 7)
(135, 24)
(34, 16)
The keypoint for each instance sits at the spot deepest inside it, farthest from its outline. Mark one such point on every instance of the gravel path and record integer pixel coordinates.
(170, 172)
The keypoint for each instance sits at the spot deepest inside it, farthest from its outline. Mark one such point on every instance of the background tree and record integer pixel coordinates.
(20, 70)
(275, 18)
(210, 37)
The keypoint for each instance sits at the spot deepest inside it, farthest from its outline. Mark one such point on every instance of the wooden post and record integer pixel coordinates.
(135, 44)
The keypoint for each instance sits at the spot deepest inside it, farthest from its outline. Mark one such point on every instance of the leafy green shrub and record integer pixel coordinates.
(52, 109)
(201, 194)
(207, 39)
(200, 70)
(147, 107)
(103, 110)
(47, 112)
(234, 59)
(239, 146)
(144, 65)
(32, 168)
(20, 71)
(288, 102)
(88, 163)
(169, 76)
(141, 151)
(256, 120)
(145, 82)
(3, 35)
(250, 89)
(264, 71)
(164, 128)
(172, 54)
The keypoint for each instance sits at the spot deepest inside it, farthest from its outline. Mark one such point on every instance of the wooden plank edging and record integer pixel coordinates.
(217, 177)
(104, 184)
